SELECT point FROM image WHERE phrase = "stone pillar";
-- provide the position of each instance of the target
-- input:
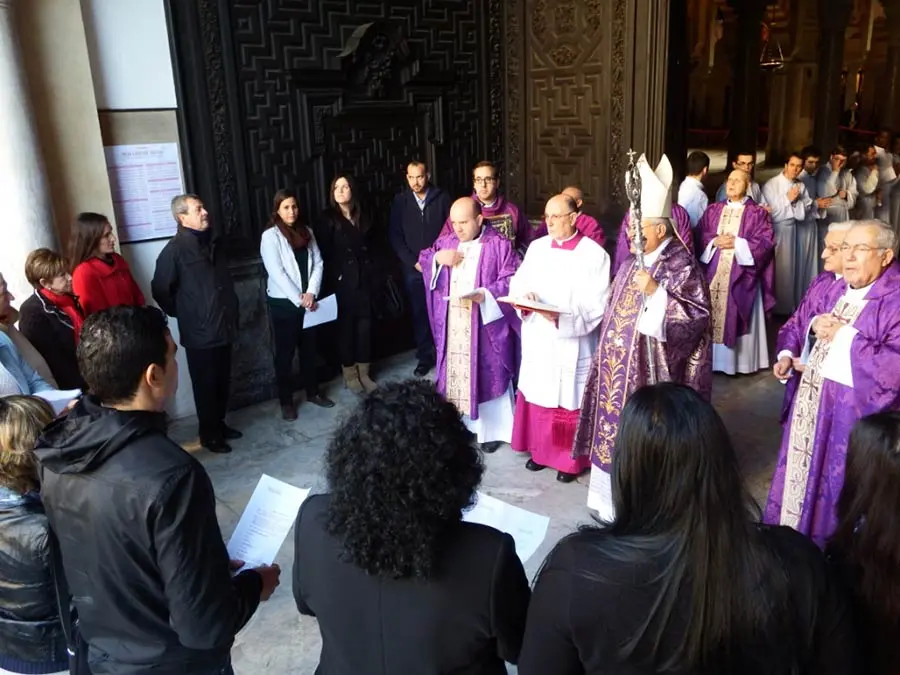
(745, 87)
(27, 214)
(889, 112)
(834, 16)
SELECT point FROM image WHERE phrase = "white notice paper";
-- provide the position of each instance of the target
(59, 398)
(326, 312)
(265, 522)
(526, 528)
(144, 178)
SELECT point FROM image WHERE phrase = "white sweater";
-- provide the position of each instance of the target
(283, 270)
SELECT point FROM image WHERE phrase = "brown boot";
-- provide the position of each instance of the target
(288, 412)
(367, 382)
(351, 379)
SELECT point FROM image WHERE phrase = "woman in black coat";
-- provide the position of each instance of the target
(399, 583)
(346, 238)
(51, 318)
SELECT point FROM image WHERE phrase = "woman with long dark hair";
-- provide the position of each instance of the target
(344, 230)
(385, 562)
(101, 277)
(684, 580)
(294, 267)
(866, 544)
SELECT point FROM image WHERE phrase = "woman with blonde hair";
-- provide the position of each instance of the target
(31, 635)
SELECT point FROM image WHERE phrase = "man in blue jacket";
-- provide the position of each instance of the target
(417, 216)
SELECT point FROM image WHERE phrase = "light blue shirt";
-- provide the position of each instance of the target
(693, 199)
(25, 376)
(421, 202)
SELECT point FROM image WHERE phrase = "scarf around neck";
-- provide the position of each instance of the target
(68, 304)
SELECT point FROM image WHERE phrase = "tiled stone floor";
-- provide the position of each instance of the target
(278, 641)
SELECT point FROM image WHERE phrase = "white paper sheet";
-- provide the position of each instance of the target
(59, 398)
(531, 304)
(326, 312)
(265, 522)
(144, 178)
(526, 528)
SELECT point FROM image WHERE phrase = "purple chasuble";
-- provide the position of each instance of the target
(493, 345)
(683, 230)
(756, 228)
(620, 365)
(792, 336)
(585, 224)
(506, 219)
(875, 365)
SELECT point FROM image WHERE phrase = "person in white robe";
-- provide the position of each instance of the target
(887, 177)
(836, 182)
(866, 177)
(746, 162)
(691, 193)
(807, 263)
(568, 275)
(790, 202)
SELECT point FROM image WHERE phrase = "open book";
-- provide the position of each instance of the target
(533, 305)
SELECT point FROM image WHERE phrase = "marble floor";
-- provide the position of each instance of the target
(278, 641)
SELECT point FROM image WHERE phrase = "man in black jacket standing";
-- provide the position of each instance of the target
(192, 283)
(135, 515)
(417, 216)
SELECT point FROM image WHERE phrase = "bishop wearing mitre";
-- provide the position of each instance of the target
(657, 322)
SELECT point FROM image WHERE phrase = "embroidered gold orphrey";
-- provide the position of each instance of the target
(804, 418)
(729, 223)
(459, 328)
(616, 356)
(502, 223)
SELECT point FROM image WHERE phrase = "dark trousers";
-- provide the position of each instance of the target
(355, 338)
(287, 328)
(415, 288)
(210, 371)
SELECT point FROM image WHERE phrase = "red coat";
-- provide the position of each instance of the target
(100, 285)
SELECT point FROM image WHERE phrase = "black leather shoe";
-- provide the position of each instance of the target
(230, 434)
(492, 447)
(531, 465)
(217, 445)
(423, 369)
(564, 477)
(321, 401)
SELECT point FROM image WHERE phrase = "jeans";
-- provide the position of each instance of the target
(287, 329)
(415, 288)
(210, 371)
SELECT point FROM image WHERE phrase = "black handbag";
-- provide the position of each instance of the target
(75, 644)
(390, 303)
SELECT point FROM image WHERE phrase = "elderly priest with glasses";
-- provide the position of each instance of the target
(656, 328)
(853, 370)
(560, 293)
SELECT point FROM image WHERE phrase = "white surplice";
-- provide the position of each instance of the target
(807, 261)
(887, 178)
(785, 216)
(556, 359)
(495, 417)
(866, 184)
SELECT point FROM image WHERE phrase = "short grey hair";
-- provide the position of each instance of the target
(180, 204)
(885, 237)
(841, 226)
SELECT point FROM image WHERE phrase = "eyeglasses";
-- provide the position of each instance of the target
(488, 180)
(832, 249)
(860, 248)
(557, 217)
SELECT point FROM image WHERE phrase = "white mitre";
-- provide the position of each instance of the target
(656, 188)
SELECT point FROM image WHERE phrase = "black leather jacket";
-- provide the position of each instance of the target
(30, 630)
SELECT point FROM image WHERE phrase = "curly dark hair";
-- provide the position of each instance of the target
(402, 467)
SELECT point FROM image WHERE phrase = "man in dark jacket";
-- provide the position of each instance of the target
(417, 216)
(135, 514)
(192, 283)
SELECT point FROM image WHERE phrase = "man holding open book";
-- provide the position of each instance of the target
(560, 293)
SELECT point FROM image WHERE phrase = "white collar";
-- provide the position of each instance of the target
(857, 293)
(735, 205)
(563, 241)
(651, 258)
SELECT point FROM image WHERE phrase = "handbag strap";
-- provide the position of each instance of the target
(63, 597)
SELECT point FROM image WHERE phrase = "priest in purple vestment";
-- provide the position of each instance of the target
(853, 371)
(464, 274)
(505, 217)
(794, 338)
(587, 225)
(684, 234)
(668, 301)
(738, 245)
